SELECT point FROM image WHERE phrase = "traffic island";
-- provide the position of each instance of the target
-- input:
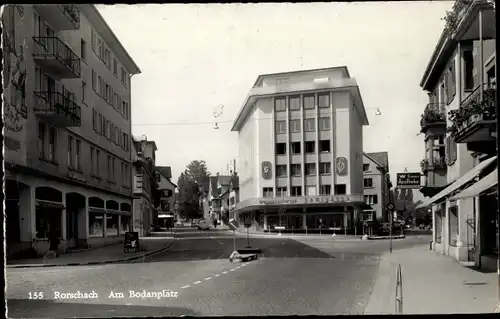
(236, 256)
(250, 251)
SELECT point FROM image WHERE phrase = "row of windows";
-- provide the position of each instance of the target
(109, 130)
(308, 102)
(309, 125)
(47, 150)
(310, 147)
(340, 189)
(104, 54)
(106, 92)
(371, 199)
(310, 169)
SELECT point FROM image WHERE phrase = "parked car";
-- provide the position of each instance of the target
(203, 224)
(194, 222)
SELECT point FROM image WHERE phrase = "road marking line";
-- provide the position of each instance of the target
(217, 275)
(197, 282)
(224, 272)
(238, 267)
(233, 269)
(208, 278)
(186, 286)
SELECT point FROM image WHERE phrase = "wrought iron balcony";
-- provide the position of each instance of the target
(434, 119)
(60, 16)
(432, 164)
(54, 56)
(475, 120)
(57, 109)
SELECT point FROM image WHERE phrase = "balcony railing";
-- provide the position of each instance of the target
(51, 52)
(433, 163)
(60, 16)
(474, 109)
(57, 108)
(434, 115)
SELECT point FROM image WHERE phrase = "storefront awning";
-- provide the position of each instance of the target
(475, 190)
(165, 216)
(459, 182)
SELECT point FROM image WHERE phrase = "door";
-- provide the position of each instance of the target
(71, 228)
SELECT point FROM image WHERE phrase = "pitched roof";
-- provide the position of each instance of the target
(213, 185)
(381, 158)
(166, 171)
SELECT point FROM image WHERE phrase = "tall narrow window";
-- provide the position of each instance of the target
(97, 163)
(309, 102)
(280, 104)
(324, 123)
(52, 143)
(92, 160)
(70, 151)
(83, 50)
(294, 103)
(469, 70)
(41, 140)
(84, 89)
(109, 168)
(324, 100)
(78, 147)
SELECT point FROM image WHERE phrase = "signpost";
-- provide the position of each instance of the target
(233, 225)
(248, 224)
(390, 208)
(131, 243)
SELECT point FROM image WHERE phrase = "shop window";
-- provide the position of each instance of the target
(125, 224)
(96, 224)
(453, 224)
(47, 220)
(111, 224)
(439, 226)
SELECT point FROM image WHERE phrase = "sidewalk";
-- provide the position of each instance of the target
(302, 236)
(101, 255)
(432, 284)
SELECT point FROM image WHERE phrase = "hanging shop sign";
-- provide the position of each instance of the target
(408, 180)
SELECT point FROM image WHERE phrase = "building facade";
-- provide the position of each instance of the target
(301, 139)
(376, 182)
(234, 194)
(144, 186)
(166, 188)
(67, 93)
(460, 133)
(219, 196)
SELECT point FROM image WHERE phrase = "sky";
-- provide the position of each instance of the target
(195, 58)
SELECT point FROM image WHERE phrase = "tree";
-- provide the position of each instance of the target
(191, 183)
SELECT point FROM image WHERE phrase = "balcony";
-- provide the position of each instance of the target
(432, 164)
(433, 120)
(463, 22)
(60, 16)
(56, 109)
(475, 120)
(54, 56)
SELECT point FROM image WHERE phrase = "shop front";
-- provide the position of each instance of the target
(323, 213)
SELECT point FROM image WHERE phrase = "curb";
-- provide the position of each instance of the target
(386, 237)
(96, 262)
(290, 236)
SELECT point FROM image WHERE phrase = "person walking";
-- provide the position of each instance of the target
(53, 244)
(215, 223)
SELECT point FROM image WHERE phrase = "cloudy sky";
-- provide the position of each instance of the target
(196, 57)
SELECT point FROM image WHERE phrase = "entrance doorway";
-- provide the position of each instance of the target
(75, 204)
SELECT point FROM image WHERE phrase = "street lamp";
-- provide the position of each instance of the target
(217, 113)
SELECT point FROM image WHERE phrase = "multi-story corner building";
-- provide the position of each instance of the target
(67, 127)
(219, 196)
(144, 185)
(301, 149)
(166, 190)
(376, 182)
(460, 132)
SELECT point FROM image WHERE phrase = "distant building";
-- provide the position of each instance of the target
(376, 186)
(144, 185)
(234, 194)
(301, 150)
(219, 196)
(166, 190)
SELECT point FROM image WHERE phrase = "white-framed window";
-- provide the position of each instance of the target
(308, 102)
(52, 143)
(295, 169)
(280, 127)
(94, 80)
(311, 190)
(281, 192)
(309, 125)
(84, 92)
(280, 104)
(294, 103)
(294, 126)
(324, 123)
(325, 189)
(93, 40)
(296, 191)
(310, 147)
(281, 171)
(371, 199)
(310, 169)
(267, 192)
(295, 147)
(324, 100)
(325, 168)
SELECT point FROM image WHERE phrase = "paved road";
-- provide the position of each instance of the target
(300, 277)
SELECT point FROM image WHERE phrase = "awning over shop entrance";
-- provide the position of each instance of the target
(475, 190)
(165, 216)
(459, 182)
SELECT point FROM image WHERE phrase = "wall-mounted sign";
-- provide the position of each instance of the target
(341, 166)
(307, 200)
(267, 170)
(408, 180)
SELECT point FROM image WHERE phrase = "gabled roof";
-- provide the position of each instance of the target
(166, 171)
(224, 180)
(380, 158)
